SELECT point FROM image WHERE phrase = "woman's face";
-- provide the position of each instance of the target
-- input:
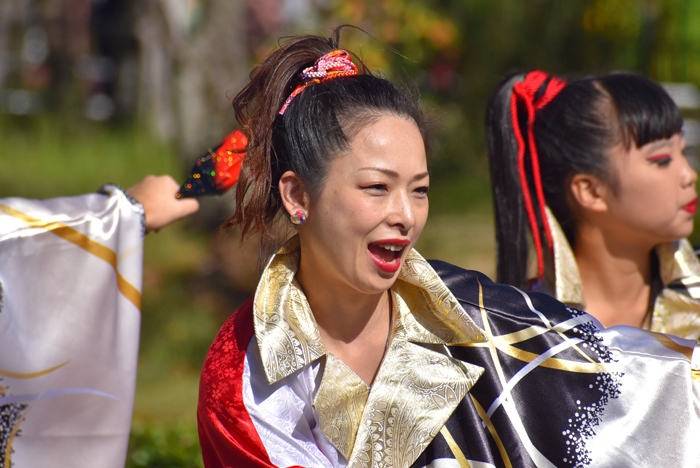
(656, 197)
(372, 209)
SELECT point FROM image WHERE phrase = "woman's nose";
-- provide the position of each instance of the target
(689, 176)
(401, 214)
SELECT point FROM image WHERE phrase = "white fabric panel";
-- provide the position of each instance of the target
(655, 393)
(61, 306)
(284, 416)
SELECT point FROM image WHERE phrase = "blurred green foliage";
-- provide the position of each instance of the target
(163, 447)
(54, 155)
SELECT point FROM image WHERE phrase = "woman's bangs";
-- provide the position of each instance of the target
(645, 111)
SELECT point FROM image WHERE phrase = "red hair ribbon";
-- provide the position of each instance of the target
(332, 65)
(527, 91)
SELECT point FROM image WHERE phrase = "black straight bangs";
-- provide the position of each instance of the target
(646, 113)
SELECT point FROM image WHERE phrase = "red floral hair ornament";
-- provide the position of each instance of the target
(535, 91)
(330, 66)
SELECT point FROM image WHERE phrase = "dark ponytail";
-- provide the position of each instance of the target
(317, 126)
(573, 134)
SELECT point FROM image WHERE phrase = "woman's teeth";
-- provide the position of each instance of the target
(392, 247)
(387, 253)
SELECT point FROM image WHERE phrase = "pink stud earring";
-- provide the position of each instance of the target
(298, 217)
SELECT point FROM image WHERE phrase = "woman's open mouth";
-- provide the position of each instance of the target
(386, 254)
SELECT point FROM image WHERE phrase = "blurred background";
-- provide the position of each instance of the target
(108, 91)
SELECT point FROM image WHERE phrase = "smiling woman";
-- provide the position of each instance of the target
(357, 352)
(358, 233)
(341, 153)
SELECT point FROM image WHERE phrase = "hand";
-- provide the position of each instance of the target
(157, 196)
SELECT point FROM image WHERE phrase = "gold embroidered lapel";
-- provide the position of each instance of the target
(567, 279)
(418, 384)
(340, 402)
(285, 328)
(415, 392)
(674, 313)
(678, 313)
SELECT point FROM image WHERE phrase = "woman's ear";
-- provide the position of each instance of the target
(292, 192)
(589, 192)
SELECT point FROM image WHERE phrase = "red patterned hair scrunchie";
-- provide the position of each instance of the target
(332, 65)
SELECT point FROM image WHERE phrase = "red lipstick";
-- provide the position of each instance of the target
(387, 260)
(691, 207)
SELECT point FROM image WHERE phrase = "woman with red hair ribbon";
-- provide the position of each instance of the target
(593, 173)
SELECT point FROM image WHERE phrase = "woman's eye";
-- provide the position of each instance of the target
(660, 160)
(423, 191)
(375, 187)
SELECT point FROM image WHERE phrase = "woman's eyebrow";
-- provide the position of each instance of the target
(655, 146)
(388, 172)
(394, 174)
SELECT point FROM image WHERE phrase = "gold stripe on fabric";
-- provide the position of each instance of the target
(489, 333)
(585, 356)
(532, 332)
(69, 234)
(524, 335)
(672, 345)
(489, 425)
(552, 362)
(456, 451)
(590, 367)
(695, 375)
(31, 375)
(11, 439)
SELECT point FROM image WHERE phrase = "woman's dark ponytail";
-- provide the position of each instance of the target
(257, 108)
(509, 208)
(572, 134)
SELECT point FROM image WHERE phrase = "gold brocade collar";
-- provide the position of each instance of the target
(418, 384)
(677, 307)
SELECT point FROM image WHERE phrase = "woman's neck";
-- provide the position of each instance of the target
(615, 277)
(354, 327)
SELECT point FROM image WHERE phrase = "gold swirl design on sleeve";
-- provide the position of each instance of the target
(69, 234)
(15, 429)
(675, 313)
(29, 375)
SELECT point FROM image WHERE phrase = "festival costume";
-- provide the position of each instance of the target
(676, 309)
(476, 375)
(676, 288)
(70, 295)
